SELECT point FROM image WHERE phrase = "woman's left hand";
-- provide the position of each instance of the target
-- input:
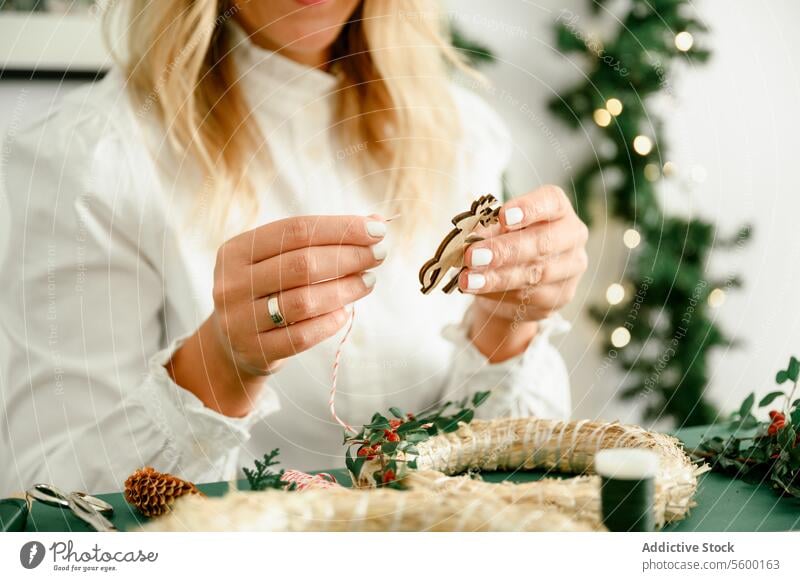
(529, 265)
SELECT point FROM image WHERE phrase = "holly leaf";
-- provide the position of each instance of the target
(380, 423)
(348, 460)
(480, 397)
(464, 416)
(396, 412)
(781, 376)
(786, 437)
(769, 398)
(416, 437)
(747, 405)
(409, 426)
(446, 424)
(357, 464)
(793, 370)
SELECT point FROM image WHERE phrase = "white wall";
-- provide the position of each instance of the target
(737, 118)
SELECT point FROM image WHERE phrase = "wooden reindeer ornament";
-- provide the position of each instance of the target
(450, 253)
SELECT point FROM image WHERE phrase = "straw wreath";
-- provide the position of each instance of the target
(342, 509)
(436, 501)
(563, 447)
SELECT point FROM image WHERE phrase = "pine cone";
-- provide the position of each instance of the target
(153, 492)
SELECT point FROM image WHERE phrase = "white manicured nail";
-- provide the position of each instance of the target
(481, 257)
(513, 216)
(379, 251)
(369, 279)
(376, 229)
(475, 281)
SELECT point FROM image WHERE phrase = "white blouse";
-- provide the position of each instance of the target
(103, 279)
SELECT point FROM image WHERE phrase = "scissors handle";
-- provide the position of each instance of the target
(81, 508)
(52, 496)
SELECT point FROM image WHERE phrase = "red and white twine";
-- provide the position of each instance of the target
(303, 481)
(335, 373)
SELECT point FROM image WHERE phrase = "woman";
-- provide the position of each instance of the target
(232, 176)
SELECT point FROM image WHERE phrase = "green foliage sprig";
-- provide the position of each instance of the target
(393, 439)
(263, 477)
(759, 451)
(672, 329)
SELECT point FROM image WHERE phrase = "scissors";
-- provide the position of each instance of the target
(87, 508)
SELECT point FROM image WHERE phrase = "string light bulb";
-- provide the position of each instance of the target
(602, 117)
(615, 293)
(716, 298)
(620, 337)
(652, 172)
(642, 144)
(614, 106)
(631, 238)
(684, 41)
(669, 169)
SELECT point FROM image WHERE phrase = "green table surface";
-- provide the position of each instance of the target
(723, 504)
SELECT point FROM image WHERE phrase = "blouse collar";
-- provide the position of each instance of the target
(276, 82)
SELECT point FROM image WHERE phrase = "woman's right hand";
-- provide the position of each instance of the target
(314, 265)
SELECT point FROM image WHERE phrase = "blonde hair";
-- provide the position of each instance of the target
(393, 97)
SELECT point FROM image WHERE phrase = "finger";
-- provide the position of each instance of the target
(285, 342)
(529, 245)
(537, 302)
(544, 204)
(308, 302)
(565, 266)
(301, 232)
(307, 266)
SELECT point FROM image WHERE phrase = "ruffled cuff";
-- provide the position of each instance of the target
(191, 429)
(534, 383)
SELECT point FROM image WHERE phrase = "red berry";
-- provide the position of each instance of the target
(777, 424)
(411, 416)
(395, 423)
(391, 436)
(388, 476)
(368, 452)
(776, 414)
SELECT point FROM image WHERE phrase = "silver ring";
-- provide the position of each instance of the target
(275, 311)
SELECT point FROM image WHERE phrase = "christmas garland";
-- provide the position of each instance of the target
(759, 451)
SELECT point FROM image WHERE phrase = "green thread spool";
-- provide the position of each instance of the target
(627, 488)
